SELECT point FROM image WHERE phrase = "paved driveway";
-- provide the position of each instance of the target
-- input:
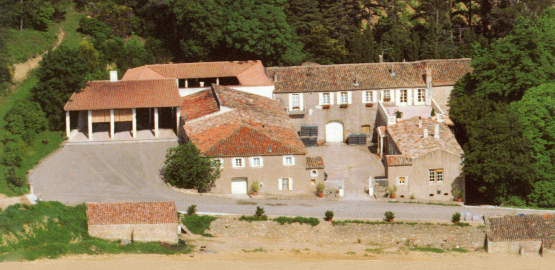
(130, 172)
(351, 164)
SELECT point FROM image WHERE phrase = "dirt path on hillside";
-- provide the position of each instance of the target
(22, 69)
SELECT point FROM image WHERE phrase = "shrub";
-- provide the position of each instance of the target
(198, 224)
(12, 154)
(255, 186)
(14, 179)
(433, 113)
(458, 193)
(259, 211)
(253, 218)
(398, 114)
(391, 190)
(430, 249)
(301, 220)
(329, 215)
(320, 187)
(412, 196)
(389, 215)
(192, 209)
(456, 217)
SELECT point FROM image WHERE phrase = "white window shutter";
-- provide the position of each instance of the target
(290, 183)
(331, 98)
(261, 161)
(292, 160)
(406, 180)
(251, 161)
(243, 162)
(290, 102)
(284, 160)
(374, 96)
(338, 97)
(301, 101)
(409, 96)
(321, 98)
(350, 97)
(279, 184)
(364, 97)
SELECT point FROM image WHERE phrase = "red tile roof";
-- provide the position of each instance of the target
(199, 104)
(409, 138)
(248, 125)
(519, 228)
(314, 163)
(101, 95)
(249, 73)
(131, 213)
(323, 78)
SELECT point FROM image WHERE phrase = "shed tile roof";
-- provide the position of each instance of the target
(398, 160)
(409, 138)
(131, 213)
(314, 163)
(249, 73)
(252, 125)
(323, 78)
(527, 227)
(102, 95)
(198, 105)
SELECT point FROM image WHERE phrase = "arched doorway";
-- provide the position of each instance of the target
(334, 132)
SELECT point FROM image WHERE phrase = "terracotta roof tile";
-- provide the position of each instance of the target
(314, 163)
(252, 125)
(131, 213)
(101, 95)
(249, 73)
(321, 78)
(398, 160)
(409, 138)
(198, 105)
(526, 227)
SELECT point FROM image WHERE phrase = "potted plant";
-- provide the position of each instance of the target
(386, 99)
(343, 105)
(325, 106)
(369, 104)
(389, 216)
(456, 218)
(458, 194)
(192, 210)
(259, 211)
(391, 191)
(255, 187)
(398, 114)
(320, 187)
(328, 216)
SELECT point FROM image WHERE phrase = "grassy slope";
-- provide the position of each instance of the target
(29, 43)
(37, 150)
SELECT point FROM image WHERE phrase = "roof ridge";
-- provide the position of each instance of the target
(375, 63)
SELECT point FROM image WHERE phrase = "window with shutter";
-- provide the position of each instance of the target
(285, 183)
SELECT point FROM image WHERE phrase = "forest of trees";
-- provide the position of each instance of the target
(503, 112)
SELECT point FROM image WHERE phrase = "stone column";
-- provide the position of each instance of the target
(90, 125)
(134, 132)
(112, 128)
(156, 124)
(68, 129)
(178, 117)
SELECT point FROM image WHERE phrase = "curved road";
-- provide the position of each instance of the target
(130, 172)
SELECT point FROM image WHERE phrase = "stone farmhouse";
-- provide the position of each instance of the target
(142, 222)
(258, 120)
(523, 234)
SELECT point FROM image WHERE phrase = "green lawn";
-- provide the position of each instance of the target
(29, 43)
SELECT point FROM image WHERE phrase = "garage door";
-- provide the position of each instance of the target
(334, 132)
(239, 186)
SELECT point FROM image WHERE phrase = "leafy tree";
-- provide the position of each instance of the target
(303, 16)
(498, 162)
(186, 168)
(537, 114)
(99, 30)
(323, 49)
(26, 119)
(62, 72)
(120, 18)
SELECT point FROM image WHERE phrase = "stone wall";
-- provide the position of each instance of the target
(139, 232)
(515, 247)
(440, 236)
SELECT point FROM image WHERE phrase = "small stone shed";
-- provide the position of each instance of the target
(142, 221)
(521, 234)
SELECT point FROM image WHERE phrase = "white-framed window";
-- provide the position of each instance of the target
(403, 97)
(402, 181)
(436, 175)
(295, 101)
(256, 162)
(285, 183)
(344, 98)
(326, 98)
(220, 161)
(386, 95)
(238, 162)
(313, 173)
(368, 97)
(421, 95)
(288, 160)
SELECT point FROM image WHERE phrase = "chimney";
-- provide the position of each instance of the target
(381, 58)
(275, 77)
(113, 75)
(436, 134)
(419, 122)
(201, 84)
(429, 78)
(425, 133)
